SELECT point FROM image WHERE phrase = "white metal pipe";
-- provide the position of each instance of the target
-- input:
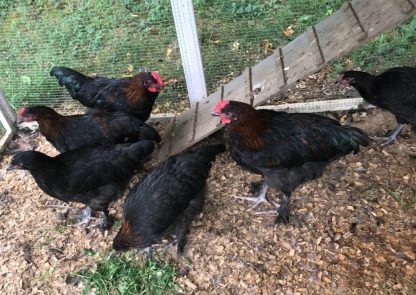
(8, 126)
(185, 24)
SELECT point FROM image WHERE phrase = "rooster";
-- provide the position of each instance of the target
(286, 149)
(166, 200)
(77, 131)
(91, 176)
(394, 91)
(135, 95)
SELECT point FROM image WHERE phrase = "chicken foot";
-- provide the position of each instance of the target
(393, 136)
(258, 198)
(282, 210)
(84, 216)
(107, 221)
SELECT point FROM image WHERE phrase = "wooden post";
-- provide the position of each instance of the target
(183, 14)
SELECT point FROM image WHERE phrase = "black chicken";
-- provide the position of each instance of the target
(166, 200)
(78, 131)
(92, 176)
(286, 149)
(135, 95)
(394, 91)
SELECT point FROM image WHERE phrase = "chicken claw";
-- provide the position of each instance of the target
(84, 216)
(268, 212)
(258, 198)
(282, 211)
(393, 136)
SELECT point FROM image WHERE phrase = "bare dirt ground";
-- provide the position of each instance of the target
(351, 232)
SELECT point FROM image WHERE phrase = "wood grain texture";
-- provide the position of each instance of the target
(378, 15)
(205, 122)
(301, 57)
(237, 90)
(335, 30)
(267, 76)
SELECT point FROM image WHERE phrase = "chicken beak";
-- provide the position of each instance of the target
(19, 120)
(215, 114)
(339, 80)
(12, 167)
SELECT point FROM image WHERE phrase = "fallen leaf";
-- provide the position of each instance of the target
(169, 52)
(289, 31)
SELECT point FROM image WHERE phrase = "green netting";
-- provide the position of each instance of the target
(117, 38)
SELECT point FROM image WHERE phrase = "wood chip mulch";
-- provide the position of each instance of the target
(353, 231)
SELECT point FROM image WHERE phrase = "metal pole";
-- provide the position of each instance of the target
(183, 14)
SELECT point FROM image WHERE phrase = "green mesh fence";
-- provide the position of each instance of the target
(117, 38)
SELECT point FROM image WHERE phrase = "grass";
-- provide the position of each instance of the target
(405, 201)
(119, 274)
(116, 38)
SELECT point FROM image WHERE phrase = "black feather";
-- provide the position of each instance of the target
(92, 176)
(394, 91)
(166, 200)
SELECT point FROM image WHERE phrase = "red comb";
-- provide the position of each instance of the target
(21, 111)
(220, 105)
(156, 76)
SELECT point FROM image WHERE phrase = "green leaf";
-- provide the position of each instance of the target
(89, 251)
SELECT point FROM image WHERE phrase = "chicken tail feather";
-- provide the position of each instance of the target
(69, 78)
(357, 138)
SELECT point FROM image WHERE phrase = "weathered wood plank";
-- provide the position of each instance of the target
(182, 132)
(377, 15)
(301, 57)
(205, 122)
(339, 33)
(236, 89)
(166, 143)
(267, 76)
(332, 105)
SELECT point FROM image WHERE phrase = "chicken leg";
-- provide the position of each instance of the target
(84, 216)
(107, 221)
(258, 198)
(283, 210)
(393, 136)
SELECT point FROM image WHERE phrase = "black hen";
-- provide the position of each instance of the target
(286, 149)
(92, 176)
(78, 131)
(394, 91)
(134, 95)
(166, 200)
